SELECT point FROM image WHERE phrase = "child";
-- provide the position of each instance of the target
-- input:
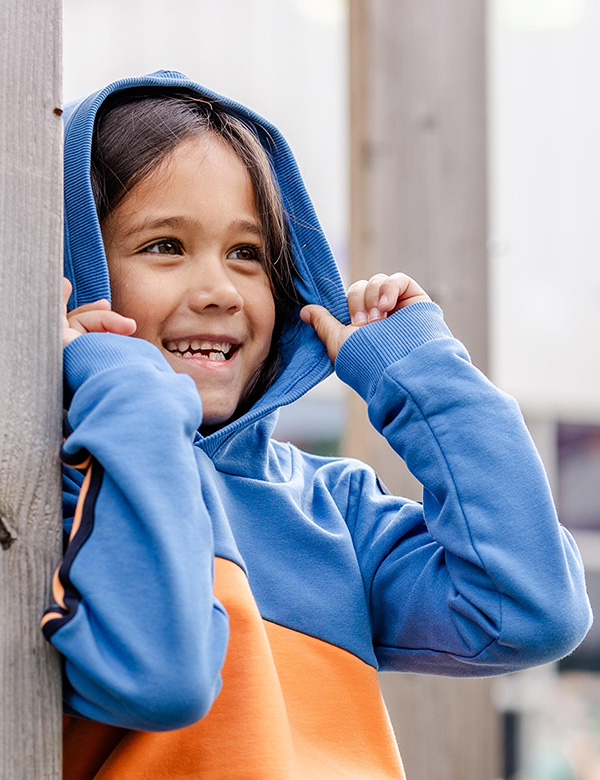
(225, 599)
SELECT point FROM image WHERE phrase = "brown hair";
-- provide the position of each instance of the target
(137, 129)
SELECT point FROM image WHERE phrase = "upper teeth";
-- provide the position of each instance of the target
(184, 346)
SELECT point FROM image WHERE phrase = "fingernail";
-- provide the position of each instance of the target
(359, 318)
(383, 300)
(374, 314)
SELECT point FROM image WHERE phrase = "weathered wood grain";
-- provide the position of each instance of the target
(418, 205)
(30, 390)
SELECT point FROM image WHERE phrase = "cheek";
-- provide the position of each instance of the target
(140, 295)
(124, 299)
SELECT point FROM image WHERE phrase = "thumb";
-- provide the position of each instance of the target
(331, 331)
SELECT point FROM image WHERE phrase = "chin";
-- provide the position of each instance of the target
(214, 420)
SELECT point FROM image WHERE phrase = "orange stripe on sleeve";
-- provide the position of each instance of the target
(58, 590)
(50, 616)
(81, 500)
(82, 465)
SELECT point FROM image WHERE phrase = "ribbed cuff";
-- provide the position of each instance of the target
(363, 357)
(93, 353)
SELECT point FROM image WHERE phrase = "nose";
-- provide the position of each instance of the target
(212, 286)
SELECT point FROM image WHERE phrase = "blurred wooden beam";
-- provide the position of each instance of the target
(418, 204)
(30, 382)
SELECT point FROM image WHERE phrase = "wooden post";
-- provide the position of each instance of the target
(418, 204)
(30, 389)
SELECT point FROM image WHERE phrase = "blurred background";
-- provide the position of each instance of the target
(459, 142)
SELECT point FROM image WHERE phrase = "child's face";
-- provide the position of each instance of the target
(184, 254)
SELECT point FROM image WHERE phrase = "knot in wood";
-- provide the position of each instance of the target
(6, 537)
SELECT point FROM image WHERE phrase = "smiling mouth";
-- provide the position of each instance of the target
(202, 348)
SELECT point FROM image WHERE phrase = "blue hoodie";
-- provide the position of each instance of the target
(225, 601)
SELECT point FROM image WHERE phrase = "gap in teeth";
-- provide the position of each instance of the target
(212, 350)
(195, 345)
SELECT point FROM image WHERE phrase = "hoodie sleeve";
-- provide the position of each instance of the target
(142, 636)
(481, 578)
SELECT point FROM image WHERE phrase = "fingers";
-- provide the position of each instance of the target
(368, 301)
(102, 303)
(91, 319)
(67, 290)
(364, 299)
(95, 317)
(331, 331)
(356, 302)
(373, 294)
(381, 295)
(101, 321)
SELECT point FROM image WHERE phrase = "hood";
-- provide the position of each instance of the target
(304, 359)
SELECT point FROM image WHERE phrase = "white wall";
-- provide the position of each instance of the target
(544, 78)
(286, 59)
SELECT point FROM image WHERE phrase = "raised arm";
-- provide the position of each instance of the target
(480, 579)
(135, 618)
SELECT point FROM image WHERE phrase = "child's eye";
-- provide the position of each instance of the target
(246, 252)
(167, 246)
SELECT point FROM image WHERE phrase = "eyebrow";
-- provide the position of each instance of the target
(240, 225)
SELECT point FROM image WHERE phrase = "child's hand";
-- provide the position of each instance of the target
(95, 317)
(368, 301)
